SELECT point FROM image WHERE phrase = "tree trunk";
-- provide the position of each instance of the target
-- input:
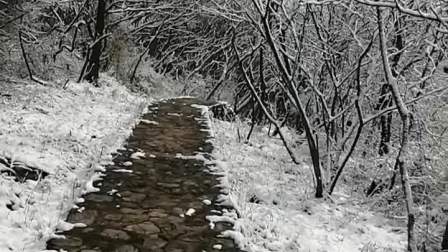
(385, 120)
(293, 95)
(403, 153)
(445, 239)
(93, 66)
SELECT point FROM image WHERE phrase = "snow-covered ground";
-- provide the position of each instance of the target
(69, 133)
(274, 199)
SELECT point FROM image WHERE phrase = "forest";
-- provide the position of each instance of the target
(362, 83)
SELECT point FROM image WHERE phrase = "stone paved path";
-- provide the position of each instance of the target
(146, 210)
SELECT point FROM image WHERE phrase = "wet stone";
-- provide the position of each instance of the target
(140, 190)
(221, 226)
(86, 217)
(168, 185)
(135, 218)
(134, 197)
(144, 228)
(132, 211)
(153, 244)
(176, 190)
(126, 248)
(99, 198)
(157, 213)
(71, 242)
(88, 230)
(127, 204)
(115, 234)
(177, 211)
(190, 184)
(113, 217)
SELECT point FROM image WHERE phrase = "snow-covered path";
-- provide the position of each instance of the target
(156, 194)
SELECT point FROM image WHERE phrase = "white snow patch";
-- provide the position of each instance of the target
(184, 97)
(112, 192)
(138, 155)
(68, 133)
(217, 246)
(195, 157)
(145, 121)
(274, 199)
(127, 163)
(190, 212)
(174, 114)
(123, 171)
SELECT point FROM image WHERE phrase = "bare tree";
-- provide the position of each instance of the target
(95, 50)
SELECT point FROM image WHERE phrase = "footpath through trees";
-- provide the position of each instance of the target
(158, 202)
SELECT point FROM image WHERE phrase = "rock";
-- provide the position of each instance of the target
(144, 228)
(164, 204)
(135, 218)
(168, 185)
(88, 230)
(128, 204)
(126, 248)
(178, 211)
(157, 213)
(153, 244)
(115, 234)
(132, 211)
(99, 198)
(222, 226)
(176, 190)
(86, 217)
(190, 184)
(71, 242)
(135, 197)
(113, 217)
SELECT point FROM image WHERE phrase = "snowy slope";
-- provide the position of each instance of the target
(68, 133)
(274, 199)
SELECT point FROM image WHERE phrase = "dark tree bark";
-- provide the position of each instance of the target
(93, 66)
(385, 101)
(403, 153)
(387, 119)
(445, 239)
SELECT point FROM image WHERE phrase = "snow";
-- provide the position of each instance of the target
(217, 246)
(274, 200)
(69, 133)
(145, 121)
(112, 192)
(122, 171)
(138, 155)
(174, 114)
(198, 156)
(127, 163)
(190, 212)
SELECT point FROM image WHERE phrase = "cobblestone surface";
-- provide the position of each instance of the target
(146, 210)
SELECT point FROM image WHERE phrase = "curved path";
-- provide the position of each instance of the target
(162, 204)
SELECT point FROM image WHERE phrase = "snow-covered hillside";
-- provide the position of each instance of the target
(274, 199)
(67, 131)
